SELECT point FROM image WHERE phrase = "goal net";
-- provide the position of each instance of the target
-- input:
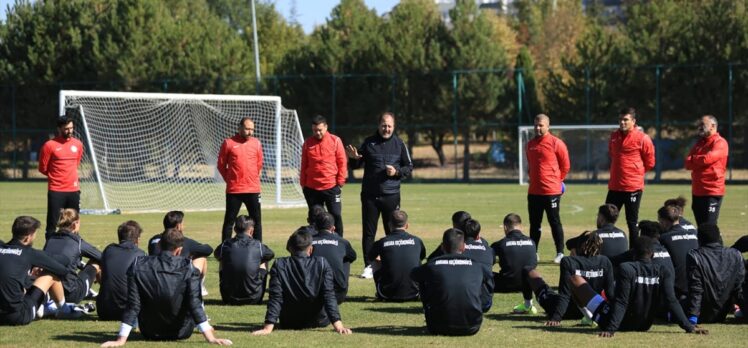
(587, 145)
(158, 151)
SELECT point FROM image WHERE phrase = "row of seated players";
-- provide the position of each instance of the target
(389, 278)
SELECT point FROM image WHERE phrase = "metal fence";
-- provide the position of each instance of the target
(459, 125)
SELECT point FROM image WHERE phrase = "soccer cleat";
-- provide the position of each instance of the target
(587, 322)
(521, 309)
(69, 311)
(368, 273)
(88, 308)
(558, 258)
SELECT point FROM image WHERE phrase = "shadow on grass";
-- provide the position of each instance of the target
(218, 302)
(397, 310)
(392, 330)
(515, 317)
(238, 327)
(568, 329)
(361, 299)
(90, 337)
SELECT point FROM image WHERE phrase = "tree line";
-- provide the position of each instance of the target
(670, 58)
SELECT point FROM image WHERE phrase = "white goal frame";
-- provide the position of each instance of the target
(67, 97)
(521, 147)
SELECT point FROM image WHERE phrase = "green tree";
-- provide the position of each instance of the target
(531, 103)
(472, 48)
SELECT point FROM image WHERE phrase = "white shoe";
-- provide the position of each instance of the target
(69, 311)
(368, 273)
(46, 309)
(558, 258)
(203, 289)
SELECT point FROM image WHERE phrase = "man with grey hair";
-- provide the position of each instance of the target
(707, 162)
(548, 163)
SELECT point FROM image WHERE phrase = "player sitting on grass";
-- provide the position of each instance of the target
(300, 287)
(164, 296)
(67, 246)
(21, 301)
(336, 250)
(192, 249)
(243, 271)
(614, 239)
(455, 289)
(475, 246)
(585, 261)
(678, 242)
(680, 203)
(393, 257)
(115, 262)
(640, 286)
(715, 277)
(515, 252)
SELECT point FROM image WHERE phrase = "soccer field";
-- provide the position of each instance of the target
(430, 207)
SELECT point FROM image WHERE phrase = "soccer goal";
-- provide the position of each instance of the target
(158, 151)
(588, 149)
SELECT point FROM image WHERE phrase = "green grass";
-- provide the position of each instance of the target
(375, 323)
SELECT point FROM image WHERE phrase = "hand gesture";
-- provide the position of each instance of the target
(391, 171)
(352, 152)
(221, 342)
(700, 330)
(606, 334)
(553, 323)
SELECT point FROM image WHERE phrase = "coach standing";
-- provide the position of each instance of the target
(58, 160)
(707, 161)
(240, 165)
(386, 161)
(324, 168)
(548, 161)
(632, 154)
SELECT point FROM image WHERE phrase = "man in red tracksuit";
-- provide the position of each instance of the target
(548, 161)
(324, 168)
(632, 154)
(58, 160)
(240, 165)
(707, 161)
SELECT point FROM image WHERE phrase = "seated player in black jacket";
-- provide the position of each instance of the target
(680, 204)
(614, 239)
(67, 246)
(715, 277)
(300, 287)
(243, 271)
(193, 250)
(678, 242)
(476, 247)
(115, 261)
(516, 252)
(585, 261)
(455, 289)
(163, 296)
(393, 257)
(639, 288)
(741, 245)
(336, 250)
(21, 298)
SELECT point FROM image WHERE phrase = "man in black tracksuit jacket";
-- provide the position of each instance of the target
(516, 252)
(336, 250)
(614, 239)
(386, 162)
(715, 277)
(394, 256)
(661, 256)
(455, 289)
(300, 287)
(585, 261)
(678, 242)
(115, 261)
(639, 289)
(476, 247)
(68, 247)
(163, 296)
(19, 297)
(243, 259)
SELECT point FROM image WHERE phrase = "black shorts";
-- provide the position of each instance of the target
(76, 286)
(27, 312)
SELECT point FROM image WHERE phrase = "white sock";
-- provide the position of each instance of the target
(528, 303)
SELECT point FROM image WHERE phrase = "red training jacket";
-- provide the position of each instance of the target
(240, 164)
(324, 163)
(707, 161)
(631, 155)
(59, 160)
(548, 160)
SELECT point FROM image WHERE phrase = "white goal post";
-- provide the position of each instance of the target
(587, 144)
(158, 151)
